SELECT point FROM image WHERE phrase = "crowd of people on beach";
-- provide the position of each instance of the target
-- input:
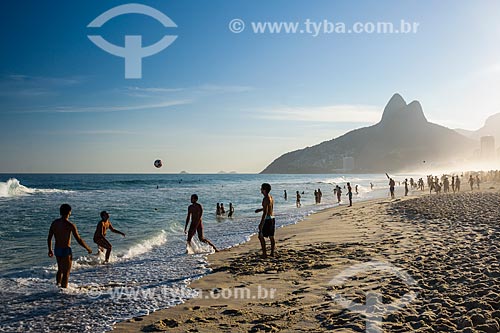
(62, 229)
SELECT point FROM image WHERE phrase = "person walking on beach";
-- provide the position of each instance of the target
(267, 221)
(421, 184)
(195, 212)
(100, 235)
(471, 183)
(446, 185)
(62, 229)
(298, 200)
(477, 182)
(285, 195)
(349, 193)
(457, 184)
(392, 184)
(453, 183)
(231, 210)
(406, 187)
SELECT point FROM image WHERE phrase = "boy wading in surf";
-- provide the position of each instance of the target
(100, 234)
(267, 222)
(195, 211)
(62, 229)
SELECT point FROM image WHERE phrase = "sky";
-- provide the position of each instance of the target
(216, 100)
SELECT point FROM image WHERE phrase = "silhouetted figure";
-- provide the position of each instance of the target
(453, 183)
(222, 210)
(437, 188)
(392, 184)
(471, 183)
(320, 195)
(316, 196)
(267, 222)
(477, 182)
(339, 194)
(231, 210)
(457, 184)
(371, 186)
(297, 202)
(195, 212)
(349, 193)
(421, 184)
(406, 187)
(446, 185)
(217, 212)
(356, 189)
(285, 195)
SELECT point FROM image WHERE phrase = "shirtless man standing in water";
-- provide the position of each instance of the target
(62, 229)
(267, 222)
(195, 211)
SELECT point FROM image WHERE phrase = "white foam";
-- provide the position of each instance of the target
(13, 188)
(198, 248)
(144, 246)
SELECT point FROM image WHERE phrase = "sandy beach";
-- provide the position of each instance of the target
(432, 261)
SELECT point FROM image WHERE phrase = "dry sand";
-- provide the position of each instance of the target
(449, 245)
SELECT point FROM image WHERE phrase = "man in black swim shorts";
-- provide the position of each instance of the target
(267, 222)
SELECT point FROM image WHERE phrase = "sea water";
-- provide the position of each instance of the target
(149, 268)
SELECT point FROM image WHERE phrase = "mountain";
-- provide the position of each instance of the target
(402, 140)
(491, 127)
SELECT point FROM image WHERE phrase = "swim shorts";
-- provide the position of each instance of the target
(268, 228)
(102, 242)
(62, 252)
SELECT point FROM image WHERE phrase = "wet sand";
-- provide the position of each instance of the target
(443, 250)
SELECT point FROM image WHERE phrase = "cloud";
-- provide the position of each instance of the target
(222, 89)
(103, 109)
(43, 80)
(154, 89)
(206, 89)
(333, 113)
(18, 85)
(98, 109)
(89, 132)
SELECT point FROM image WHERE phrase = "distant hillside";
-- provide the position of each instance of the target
(402, 140)
(491, 127)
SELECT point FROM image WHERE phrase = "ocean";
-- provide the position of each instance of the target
(149, 268)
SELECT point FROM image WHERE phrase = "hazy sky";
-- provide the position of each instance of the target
(216, 100)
